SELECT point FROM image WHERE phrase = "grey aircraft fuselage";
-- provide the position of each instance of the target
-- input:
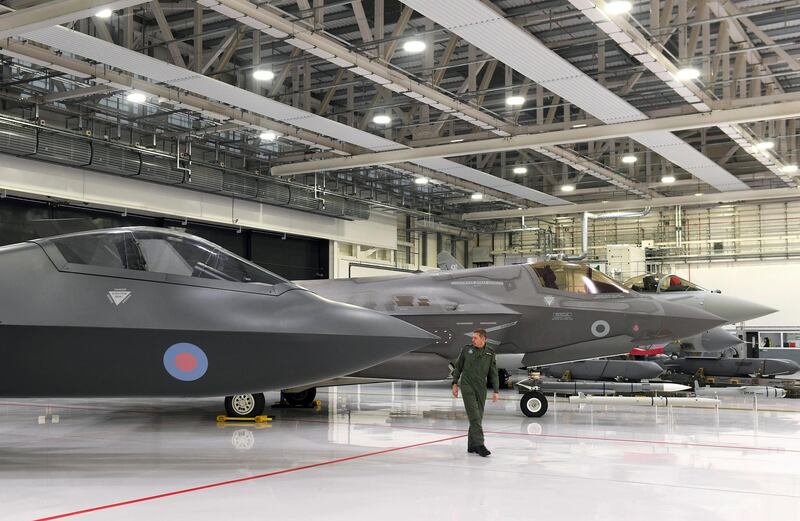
(520, 313)
(120, 313)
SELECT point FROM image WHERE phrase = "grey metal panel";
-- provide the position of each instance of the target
(272, 192)
(64, 149)
(161, 169)
(16, 139)
(206, 178)
(304, 199)
(114, 160)
(239, 185)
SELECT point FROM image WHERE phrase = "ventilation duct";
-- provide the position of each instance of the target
(72, 150)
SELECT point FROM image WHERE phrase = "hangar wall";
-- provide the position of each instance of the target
(36, 178)
(769, 282)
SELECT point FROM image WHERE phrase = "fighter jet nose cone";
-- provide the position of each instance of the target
(734, 309)
(383, 335)
(683, 321)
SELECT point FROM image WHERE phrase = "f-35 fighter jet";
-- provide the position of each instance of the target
(547, 312)
(152, 312)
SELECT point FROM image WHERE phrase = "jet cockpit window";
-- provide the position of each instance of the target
(647, 283)
(107, 250)
(179, 255)
(676, 283)
(574, 278)
(660, 283)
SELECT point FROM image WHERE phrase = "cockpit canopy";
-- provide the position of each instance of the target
(155, 250)
(574, 278)
(660, 283)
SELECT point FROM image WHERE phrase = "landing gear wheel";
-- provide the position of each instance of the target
(301, 399)
(533, 404)
(245, 405)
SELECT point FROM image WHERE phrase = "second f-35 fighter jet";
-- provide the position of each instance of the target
(548, 312)
(152, 312)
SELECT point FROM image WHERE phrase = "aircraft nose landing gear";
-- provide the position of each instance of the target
(245, 405)
(533, 403)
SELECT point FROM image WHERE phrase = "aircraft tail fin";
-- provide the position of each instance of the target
(447, 262)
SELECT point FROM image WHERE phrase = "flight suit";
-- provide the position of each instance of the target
(473, 366)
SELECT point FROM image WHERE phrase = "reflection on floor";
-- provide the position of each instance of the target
(397, 452)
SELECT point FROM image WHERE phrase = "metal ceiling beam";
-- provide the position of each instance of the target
(82, 92)
(575, 135)
(688, 200)
(486, 27)
(632, 41)
(166, 32)
(325, 44)
(56, 12)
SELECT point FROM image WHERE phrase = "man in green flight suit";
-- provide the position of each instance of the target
(475, 363)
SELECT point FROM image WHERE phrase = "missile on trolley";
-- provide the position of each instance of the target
(587, 387)
(730, 366)
(767, 391)
(605, 370)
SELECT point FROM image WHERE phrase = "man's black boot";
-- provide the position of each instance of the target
(482, 451)
(471, 449)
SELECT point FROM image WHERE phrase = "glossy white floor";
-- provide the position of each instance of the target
(397, 452)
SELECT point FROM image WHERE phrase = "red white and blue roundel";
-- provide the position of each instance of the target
(186, 362)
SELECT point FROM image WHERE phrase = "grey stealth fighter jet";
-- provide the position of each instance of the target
(545, 313)
(152, 312)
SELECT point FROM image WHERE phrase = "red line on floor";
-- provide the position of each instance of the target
(249, 478)
(564, 436)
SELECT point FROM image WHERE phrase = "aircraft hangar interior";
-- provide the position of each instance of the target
(399, 259)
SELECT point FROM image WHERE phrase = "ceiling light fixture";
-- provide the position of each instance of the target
(268, 135)
(567, 188)
(520, 170)
(789, 169)
(668, 179)
(687, 74)
(629, 159)
(104, 13)
(263, 75)
(136, 97)
(618, 7)
(515, 101)
(477, 196)
(457, 140)
(579, 125)
(765, 145)
(421, 181)
(382, 119)
(699, 194)
(414, 46)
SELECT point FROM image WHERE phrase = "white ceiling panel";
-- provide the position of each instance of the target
(80, 44)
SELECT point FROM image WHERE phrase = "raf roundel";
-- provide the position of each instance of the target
(186, 362)
(600, 328)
